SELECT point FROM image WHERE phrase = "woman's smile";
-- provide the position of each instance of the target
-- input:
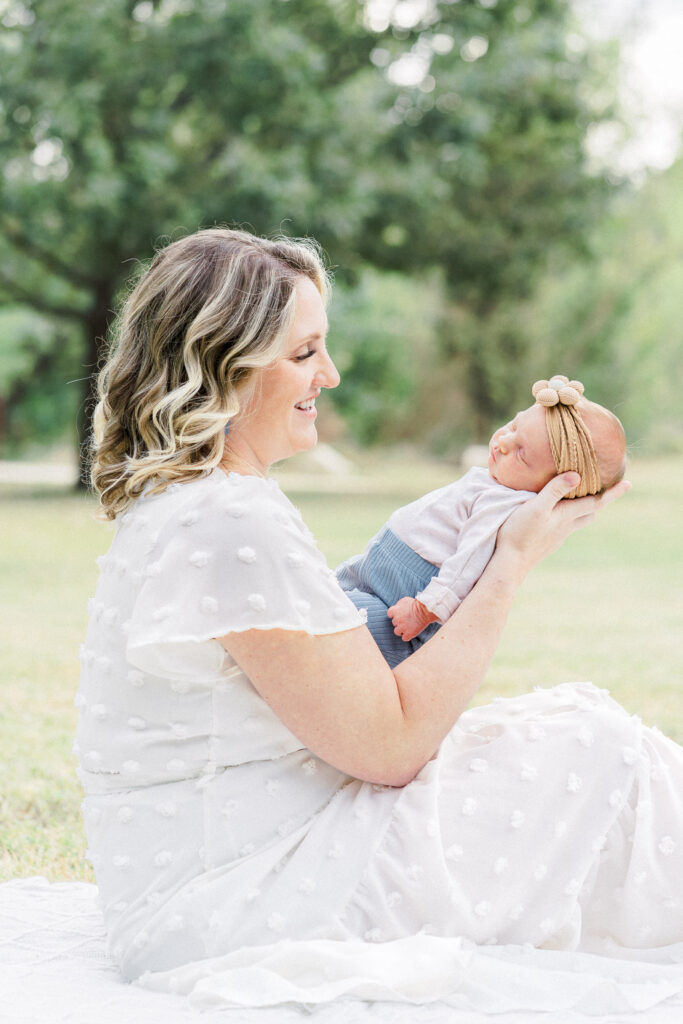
(307, 407)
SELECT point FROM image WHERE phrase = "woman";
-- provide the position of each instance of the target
(253, 769)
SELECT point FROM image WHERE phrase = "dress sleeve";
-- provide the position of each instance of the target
(238, 558)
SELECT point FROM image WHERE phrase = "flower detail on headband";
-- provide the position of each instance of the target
(557, 390)
(570, 440)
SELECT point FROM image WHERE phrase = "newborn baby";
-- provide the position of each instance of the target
(426, 559)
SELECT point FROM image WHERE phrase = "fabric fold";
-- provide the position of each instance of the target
(423, 969)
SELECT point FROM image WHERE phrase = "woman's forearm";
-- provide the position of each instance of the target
(436, 684)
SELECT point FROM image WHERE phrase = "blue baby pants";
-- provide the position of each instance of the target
(375, 580)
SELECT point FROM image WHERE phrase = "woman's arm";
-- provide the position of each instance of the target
(339, 697)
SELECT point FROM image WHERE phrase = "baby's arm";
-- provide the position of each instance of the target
(410, 617)
(477, 540)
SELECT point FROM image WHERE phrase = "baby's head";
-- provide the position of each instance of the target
(522, 456)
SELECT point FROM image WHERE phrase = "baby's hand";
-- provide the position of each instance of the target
(410, 617)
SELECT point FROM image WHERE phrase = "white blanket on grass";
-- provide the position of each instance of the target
(54, 969)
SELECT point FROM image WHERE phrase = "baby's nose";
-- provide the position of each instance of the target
(503, 442)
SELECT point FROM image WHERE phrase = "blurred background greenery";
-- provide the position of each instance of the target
(438, 151)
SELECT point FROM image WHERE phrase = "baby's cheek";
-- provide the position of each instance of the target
(544, 479)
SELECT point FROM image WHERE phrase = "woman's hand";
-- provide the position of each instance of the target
(540, 526)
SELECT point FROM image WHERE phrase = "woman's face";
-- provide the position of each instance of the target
(280, 420)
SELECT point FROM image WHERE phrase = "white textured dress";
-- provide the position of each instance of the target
(235, 865)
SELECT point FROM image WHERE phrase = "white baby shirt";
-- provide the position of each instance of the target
(455, 527)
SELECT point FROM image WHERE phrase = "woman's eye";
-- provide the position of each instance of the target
(306, 355)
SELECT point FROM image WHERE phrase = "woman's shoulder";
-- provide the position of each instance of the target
(220, 512)
(228, 553)
(232, 495)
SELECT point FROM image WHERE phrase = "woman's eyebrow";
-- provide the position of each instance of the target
(315, 336)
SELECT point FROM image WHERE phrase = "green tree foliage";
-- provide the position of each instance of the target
(494, 137)
(615, 322)
(382, 335)
(37, 357)
(122, 122)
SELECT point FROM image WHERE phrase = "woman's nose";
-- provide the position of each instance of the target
(328, 375)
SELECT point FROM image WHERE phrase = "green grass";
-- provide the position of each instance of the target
(606, 607)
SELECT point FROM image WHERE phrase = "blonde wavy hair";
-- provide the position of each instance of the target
(211, 309)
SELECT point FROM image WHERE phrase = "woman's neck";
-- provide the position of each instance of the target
(244, 462)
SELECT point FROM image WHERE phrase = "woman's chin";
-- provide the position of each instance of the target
(312, 440)
(306, 440)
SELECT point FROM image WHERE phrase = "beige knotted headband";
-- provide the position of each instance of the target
(570, 440)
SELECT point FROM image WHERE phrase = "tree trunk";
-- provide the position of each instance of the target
(95, 326)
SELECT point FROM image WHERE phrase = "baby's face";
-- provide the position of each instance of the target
(519, 453)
